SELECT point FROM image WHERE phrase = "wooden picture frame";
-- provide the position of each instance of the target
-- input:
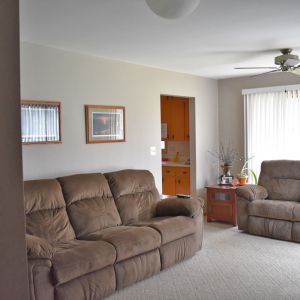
(104, 124)
(50, 103)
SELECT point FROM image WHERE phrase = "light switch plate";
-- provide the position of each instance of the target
(153, 151)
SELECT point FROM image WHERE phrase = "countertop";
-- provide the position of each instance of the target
(174, 164)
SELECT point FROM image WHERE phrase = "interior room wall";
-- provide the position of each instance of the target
(76, 79)
(182, 147)
(13, 263)
(231, 106)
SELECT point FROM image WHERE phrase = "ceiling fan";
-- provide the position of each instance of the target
(287, 62)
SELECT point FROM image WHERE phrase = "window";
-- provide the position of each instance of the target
(40, 121)
(272, 124)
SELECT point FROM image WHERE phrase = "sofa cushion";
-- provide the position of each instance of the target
(278, 229)
(178, 207)
(76, 258)
(296, 212)
(176, 251)
(281, 178)
(135, 194)
(45, 209)
(90, 204)
(93, 286)
(137, 268)
(38, 248)
(129, 241)
(272, 209)
(171, 228)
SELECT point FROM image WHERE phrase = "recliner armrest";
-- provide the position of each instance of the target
(252, 192)
(178, 207)
(38, 248)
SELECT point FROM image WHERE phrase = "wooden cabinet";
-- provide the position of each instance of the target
(168, 180)
(176, 120)
(164, 109)
(175, 113)
(221, 204)
(186, 119)
(176, 180)
(183, 181)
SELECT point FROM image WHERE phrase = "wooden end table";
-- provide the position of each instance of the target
(221, 204)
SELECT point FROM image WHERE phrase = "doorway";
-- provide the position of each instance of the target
(178, 145)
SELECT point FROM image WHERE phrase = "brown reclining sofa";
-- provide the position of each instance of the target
(91, 234)
(272, 208)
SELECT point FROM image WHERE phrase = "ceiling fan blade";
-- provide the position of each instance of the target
(247, 68)
(296, 71)
(273, 71)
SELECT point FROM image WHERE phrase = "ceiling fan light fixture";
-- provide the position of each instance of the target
(172, 9)
(287, 62)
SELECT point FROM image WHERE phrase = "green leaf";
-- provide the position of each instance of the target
(254, 175)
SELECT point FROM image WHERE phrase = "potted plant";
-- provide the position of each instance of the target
(244, 174)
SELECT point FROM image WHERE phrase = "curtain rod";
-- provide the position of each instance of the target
(279, 88)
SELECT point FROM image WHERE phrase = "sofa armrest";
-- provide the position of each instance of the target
(38, 248)
(178, 207)
(252, 192)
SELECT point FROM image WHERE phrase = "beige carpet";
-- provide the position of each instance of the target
(231, 265)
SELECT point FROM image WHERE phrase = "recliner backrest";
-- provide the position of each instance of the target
(281, 178)
(45, 209)
(90, 203)
(135, 194)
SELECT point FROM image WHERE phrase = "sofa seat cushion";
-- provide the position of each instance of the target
(171, 228)
(76, 258)
(272, 209)
(128, 241)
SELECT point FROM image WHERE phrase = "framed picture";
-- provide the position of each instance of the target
(226, 180)
(104, 124)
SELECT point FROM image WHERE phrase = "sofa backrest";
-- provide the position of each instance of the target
(135, 194)
(281, 178)
(45, 209)
(90, 203)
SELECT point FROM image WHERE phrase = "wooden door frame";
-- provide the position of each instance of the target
(192, 140)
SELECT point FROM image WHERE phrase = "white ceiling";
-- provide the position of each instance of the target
(218, 36)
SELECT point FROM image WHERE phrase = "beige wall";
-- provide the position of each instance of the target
(13, 265)
(76, 79)
(231, 108)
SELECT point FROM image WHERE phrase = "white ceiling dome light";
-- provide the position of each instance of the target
(172, 9)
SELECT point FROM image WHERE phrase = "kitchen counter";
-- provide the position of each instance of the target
(174, 164)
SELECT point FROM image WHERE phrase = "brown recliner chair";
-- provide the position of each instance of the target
(90, 234)
(272, 208)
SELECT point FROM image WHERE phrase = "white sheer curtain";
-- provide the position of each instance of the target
(272, 126)
(40, 123)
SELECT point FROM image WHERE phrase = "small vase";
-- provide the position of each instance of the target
(226, 170)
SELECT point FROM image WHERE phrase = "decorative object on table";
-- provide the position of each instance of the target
(172, 9)
(226, 179)
(104, 124)
(226, 170)
(235, 181)
(243, 175)
(226, 156)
